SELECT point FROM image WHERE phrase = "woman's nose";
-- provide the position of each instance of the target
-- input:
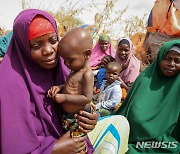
(171, 63)
(48, 49)
(123, 52)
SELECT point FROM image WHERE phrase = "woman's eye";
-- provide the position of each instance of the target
(35, 46)
(177, 61)
(53, 40)
(167, 59)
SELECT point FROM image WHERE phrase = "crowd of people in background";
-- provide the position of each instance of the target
(69, 95)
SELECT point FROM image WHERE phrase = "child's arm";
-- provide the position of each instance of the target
(123, 85)
(54, 90)
(87, 92)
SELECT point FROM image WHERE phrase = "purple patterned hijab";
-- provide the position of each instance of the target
(29, 121)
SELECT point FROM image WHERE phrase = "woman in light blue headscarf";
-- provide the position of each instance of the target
(4, 42)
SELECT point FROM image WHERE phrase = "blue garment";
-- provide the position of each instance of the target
(101, 75)
(109, 96)
(4, 42)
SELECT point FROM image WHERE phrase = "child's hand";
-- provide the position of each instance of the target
(59, 98)
(123, 85)
(53, 91)
(119, 78)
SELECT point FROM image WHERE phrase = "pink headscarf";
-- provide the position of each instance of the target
(97, 54)
(132, 71)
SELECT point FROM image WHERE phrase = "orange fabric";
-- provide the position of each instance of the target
(124, 94)
(40, 26)
(166, 22)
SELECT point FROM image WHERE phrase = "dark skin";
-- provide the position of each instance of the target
(44, 53)
(75, 48)
(170, 65)
(73, 146)
(112, 73)
(105, 60)
(103, 45)
(123, 51)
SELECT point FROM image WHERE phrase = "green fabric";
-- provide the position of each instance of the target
(104, 37)
(152, 107)
(4, 42)
(104, 112)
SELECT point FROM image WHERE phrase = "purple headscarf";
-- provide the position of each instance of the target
(29, 121)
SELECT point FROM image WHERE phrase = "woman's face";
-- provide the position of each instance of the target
(123, 51)
(170, 65)
(104, 45)
(44, 50)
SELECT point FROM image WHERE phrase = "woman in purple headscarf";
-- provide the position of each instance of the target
(30, 121)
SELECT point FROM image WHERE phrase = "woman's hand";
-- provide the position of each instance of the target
(68, 145)
(95, 67)
(87, 121)
(106, 59)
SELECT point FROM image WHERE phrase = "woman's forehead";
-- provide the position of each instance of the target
(123, 45)
(103, 41)
(173, 53)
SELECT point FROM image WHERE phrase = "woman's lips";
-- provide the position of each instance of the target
(50, 61)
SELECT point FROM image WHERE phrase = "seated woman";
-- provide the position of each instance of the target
(130, 64)
(101, 49)
(152, 105)
(30, 121)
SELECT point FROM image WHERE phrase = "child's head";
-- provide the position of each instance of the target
(75, 48)
(113, 72)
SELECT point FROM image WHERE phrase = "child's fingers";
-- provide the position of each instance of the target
(53, 90)
(56, 90)
(49, 93)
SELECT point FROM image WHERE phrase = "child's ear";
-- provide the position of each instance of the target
(87, 53)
